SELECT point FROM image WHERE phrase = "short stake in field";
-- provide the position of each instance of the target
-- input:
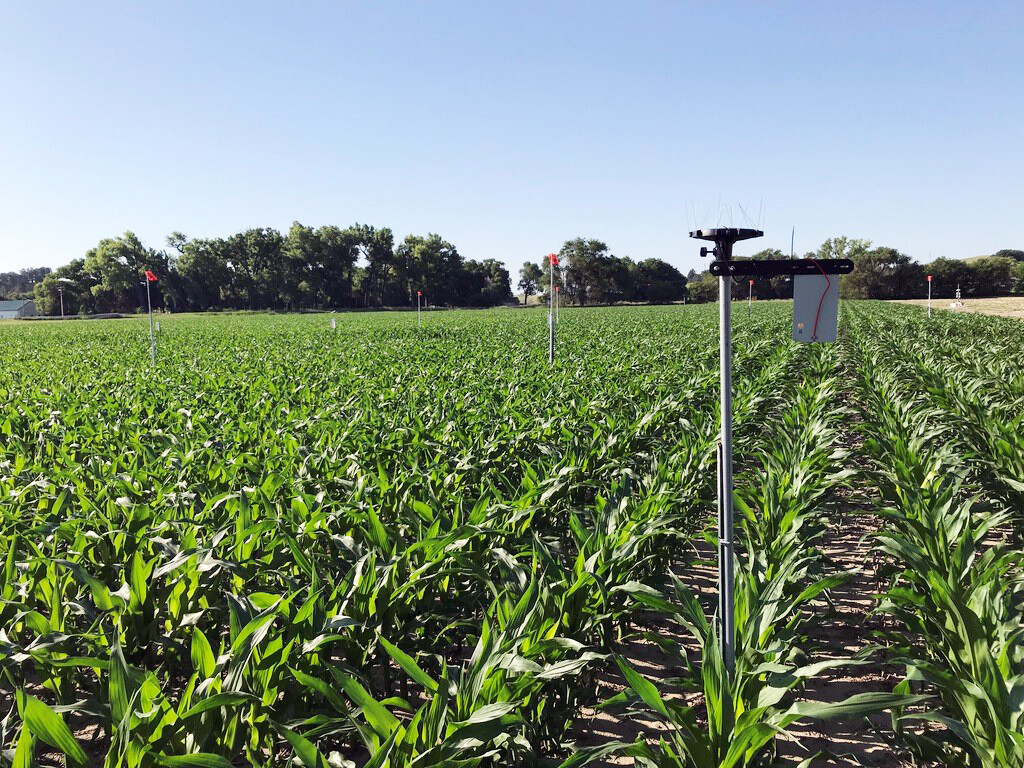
(151, 278)
(750, 298)
(552, 263)
(929, 295)
(726, 270)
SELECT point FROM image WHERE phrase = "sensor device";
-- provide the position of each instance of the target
(816, 284)
(815, 307)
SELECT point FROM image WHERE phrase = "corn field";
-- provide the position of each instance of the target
(398, 547)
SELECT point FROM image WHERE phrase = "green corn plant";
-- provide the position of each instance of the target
(957, 594)
(777, 582)
(745, 713)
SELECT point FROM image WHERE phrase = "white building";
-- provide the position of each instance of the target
(17, 308)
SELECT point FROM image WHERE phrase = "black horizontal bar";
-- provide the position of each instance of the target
(774, 268)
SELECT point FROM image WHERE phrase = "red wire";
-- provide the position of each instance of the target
(828, 284)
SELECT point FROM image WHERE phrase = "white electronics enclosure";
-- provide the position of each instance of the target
(815, 307)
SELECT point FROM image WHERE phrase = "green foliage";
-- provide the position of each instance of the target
(530, 275)
(779, 580)
(936, 425)
(292, 545)
(192, 558)
(21, 284)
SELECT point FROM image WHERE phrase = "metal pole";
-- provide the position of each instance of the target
(152, 339)
(551, 317)
(61, 292)
(419, 317)
(724, 238)
(750, 297)
(929, 296)
(558, 292)
(726, 610)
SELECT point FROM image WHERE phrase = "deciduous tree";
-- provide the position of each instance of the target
(530, 276)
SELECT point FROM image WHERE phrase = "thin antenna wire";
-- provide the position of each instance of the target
(760, 213)
(746, 217)
(792, 239)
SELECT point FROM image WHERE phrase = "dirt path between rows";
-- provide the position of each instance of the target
(844, 632)
(595, 726)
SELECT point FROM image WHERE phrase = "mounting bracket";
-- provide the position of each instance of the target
(774, 268)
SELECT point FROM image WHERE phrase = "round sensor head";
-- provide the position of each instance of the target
(726, 234)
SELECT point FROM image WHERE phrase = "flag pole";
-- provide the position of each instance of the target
(152, 338)
(551, 317)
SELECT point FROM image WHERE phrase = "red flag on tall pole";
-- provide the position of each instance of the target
(553, 258)
(150, 276)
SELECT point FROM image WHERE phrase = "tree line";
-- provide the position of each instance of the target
(260, 269)
(330, 267)
(587, 273)
(362, 267)
(21, 284)
(885, 273)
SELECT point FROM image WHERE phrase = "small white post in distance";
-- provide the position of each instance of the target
(152, 338)
(552, 260)
(929, 295)
(148, 278)
(750, 297)
(419, 316)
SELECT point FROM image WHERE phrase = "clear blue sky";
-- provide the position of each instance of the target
(510, 127)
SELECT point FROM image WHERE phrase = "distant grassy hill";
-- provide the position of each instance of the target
(1012, 253)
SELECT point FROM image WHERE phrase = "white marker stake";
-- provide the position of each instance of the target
(334, 324)
(158, 326)
(152, 338)
(750, 299)
(929, 295)
(552, 260)
(419, 317)
(558, 290)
